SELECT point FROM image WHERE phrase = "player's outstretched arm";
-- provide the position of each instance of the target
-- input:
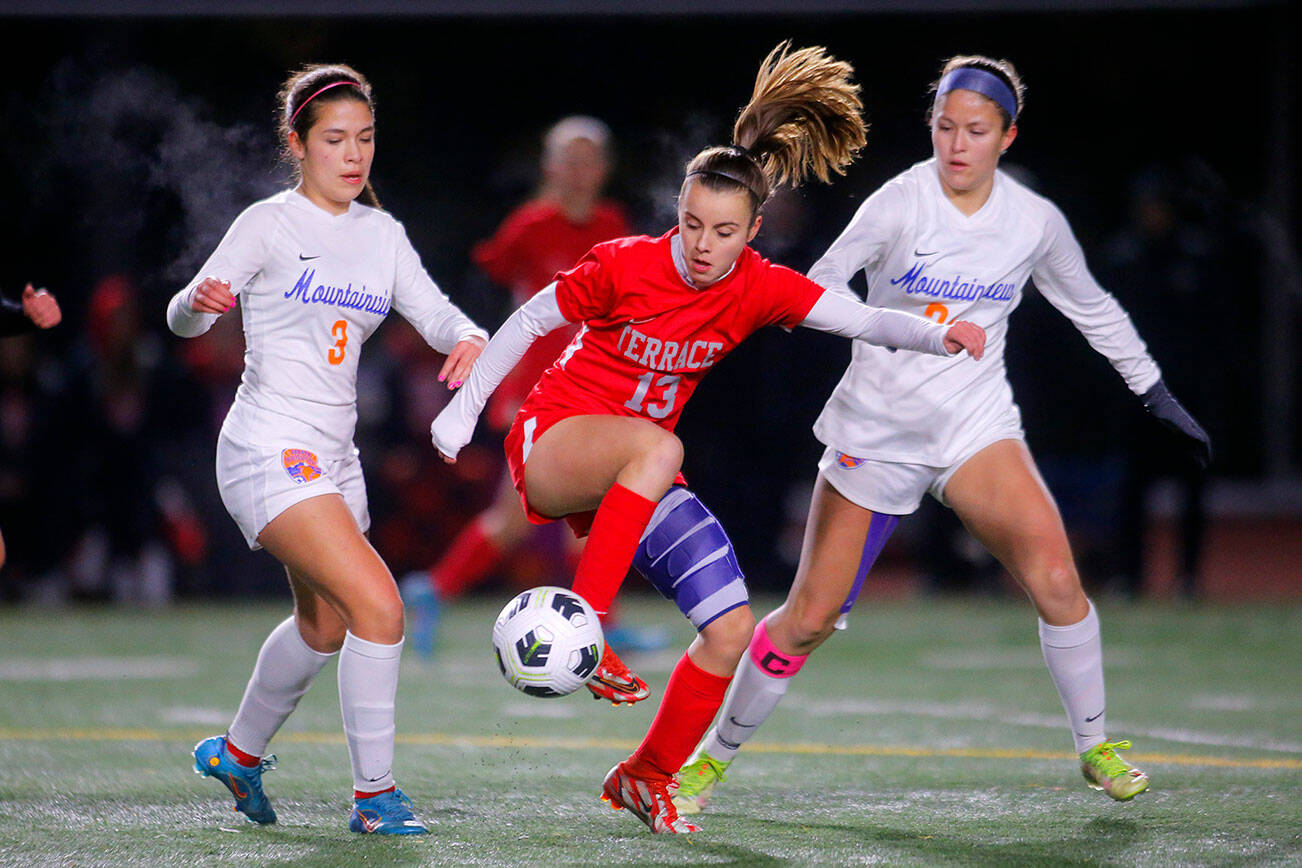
(1159, 401)
(848, 317)
(453, 428)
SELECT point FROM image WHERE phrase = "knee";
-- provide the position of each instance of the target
(1056, 591)
(663, 455)
(376, 614)
(728, 636)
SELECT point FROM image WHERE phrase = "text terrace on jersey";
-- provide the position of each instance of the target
(652, 353)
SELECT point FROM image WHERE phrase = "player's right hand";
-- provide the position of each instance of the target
(964, 335)
(444, 433)
(212, 296)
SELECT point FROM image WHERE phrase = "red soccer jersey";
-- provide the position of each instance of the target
(533, 243)
(648, 337)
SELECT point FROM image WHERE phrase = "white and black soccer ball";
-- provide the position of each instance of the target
(548, 641)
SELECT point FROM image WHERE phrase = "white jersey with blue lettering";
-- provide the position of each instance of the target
(924, 256)
(313, 287)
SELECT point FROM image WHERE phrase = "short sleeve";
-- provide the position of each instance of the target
(789, 296)
(587, 290)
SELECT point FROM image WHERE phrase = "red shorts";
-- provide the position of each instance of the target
(524, 432)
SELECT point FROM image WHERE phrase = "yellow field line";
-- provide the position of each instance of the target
(502, 741)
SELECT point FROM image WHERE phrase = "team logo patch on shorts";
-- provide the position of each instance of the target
(300, 464)
(847, 461)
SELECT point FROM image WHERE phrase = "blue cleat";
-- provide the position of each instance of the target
(422, 604)
(386, 814)
(212, 759)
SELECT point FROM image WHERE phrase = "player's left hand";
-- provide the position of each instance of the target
(457, 366)
(41, 308)
(964, 335)
(1159, 401)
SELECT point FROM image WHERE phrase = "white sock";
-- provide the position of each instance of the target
(1074, 655)
(283, 673)
(751, 699)
(368, 682)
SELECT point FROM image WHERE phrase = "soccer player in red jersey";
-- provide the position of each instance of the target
(547, 234)
(594, 441)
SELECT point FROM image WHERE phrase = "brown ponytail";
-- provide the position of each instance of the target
(306, 91)
(804, 118)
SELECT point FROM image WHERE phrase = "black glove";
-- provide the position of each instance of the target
(1161, 403)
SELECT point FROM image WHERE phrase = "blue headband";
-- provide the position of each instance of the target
(985, 83)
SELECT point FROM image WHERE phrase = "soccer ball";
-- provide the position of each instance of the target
(548, 641)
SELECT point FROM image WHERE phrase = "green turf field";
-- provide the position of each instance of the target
(928, 734)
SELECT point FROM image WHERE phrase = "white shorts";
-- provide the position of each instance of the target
(258, 483)
(891, 487)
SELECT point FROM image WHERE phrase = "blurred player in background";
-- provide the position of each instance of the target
(542, 237)
(317, 271)
(593, 442)
(37, 309)
(950, 237)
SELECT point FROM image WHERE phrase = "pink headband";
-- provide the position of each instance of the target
(317, 94)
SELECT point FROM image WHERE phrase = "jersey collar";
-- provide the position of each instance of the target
(680, 263)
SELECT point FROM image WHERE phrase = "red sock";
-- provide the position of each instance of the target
(463, 565)
(247, 760)
(692, 697)
(610, 619)
(358, 794)
(612, 542)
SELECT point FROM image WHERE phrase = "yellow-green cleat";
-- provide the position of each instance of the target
(696, 782)
(1104, 770)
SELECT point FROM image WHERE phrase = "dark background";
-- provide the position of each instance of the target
(132, 142)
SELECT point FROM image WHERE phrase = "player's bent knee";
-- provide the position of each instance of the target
(686, 554)
(730, 633)
(1056, 590)
(663, 455)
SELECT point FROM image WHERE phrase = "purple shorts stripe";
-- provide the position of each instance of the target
(879, 531)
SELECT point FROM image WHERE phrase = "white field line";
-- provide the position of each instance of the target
(994, 714)
(95, 668)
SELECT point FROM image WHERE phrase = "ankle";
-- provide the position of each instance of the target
(247, 760)
(358, 795)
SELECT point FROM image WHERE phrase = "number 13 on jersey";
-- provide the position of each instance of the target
(668, 386)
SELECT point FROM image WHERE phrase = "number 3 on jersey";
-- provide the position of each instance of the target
(339, 331)
(667, 382)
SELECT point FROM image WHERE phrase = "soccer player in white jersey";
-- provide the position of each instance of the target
(950, 238)
(315, 272)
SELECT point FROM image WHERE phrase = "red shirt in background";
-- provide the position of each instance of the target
(534, 242)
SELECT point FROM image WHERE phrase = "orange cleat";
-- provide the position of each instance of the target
(648, 799)
(616, 682)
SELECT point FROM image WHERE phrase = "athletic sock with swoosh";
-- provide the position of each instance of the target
(1074, 655)
(761, 681)
(368, 684)
(692, 696)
